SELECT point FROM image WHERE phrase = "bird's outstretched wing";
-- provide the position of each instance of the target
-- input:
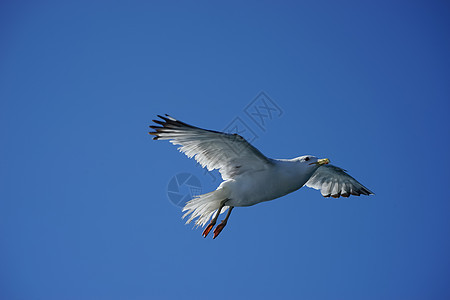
(231, 154)
(335, 182)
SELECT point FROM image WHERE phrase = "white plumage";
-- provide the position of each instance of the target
(249, 176)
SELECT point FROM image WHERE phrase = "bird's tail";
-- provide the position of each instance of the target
(204, 206)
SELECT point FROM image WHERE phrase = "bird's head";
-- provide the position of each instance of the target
(311, 162)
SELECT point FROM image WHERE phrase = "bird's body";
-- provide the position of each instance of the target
(280, 178)
(249, 176)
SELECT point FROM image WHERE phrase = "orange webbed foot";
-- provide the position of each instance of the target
(219, 229)
(208, 229)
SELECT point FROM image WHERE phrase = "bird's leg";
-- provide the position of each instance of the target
(213, 221)
(223, 223)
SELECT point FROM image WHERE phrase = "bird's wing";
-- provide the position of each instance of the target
(231, 154)
(335, 182)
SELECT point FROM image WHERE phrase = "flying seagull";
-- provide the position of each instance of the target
(248, 176)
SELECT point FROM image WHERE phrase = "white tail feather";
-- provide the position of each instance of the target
(204, 206)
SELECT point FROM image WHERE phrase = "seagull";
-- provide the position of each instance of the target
(249, 177)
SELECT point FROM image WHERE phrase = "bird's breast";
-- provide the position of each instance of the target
(252, 188)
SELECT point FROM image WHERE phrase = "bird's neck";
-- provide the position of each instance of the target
(292, 174)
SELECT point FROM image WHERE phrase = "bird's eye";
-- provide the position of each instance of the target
(306, 158)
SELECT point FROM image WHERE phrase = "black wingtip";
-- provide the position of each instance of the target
(167, 118)
(159, 122)
(367, 192)
(155, 135)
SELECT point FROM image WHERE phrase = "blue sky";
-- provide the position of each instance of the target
(84, 207)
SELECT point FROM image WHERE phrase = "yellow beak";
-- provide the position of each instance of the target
(322, 161)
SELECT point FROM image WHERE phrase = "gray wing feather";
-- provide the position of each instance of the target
(335, 182)
(231, 154)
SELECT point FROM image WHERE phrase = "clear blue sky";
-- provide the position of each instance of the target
(84, 209)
